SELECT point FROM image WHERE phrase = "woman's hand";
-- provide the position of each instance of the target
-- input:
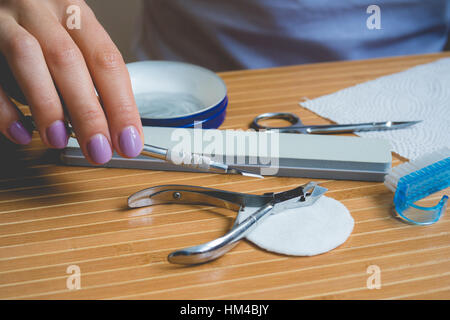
(51, 63)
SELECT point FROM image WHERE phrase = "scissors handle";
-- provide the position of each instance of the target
(287, 116)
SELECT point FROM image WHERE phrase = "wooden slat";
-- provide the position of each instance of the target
(53, 216)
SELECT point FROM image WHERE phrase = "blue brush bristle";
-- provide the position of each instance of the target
(423, 182)
(432, 174)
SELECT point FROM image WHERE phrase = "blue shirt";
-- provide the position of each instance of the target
(237, 34)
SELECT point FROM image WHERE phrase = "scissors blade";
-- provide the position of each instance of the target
(370, 126)
(403, 124)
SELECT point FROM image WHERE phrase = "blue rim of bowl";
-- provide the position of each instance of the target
(205, 117)
(213, 122)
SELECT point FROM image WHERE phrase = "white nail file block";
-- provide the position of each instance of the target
(290, 154)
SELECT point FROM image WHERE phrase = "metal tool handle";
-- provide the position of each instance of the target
(185, 159)
(214, 249)
(184, 194)
(287, 116)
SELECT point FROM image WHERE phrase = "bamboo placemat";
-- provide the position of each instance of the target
(53, 217)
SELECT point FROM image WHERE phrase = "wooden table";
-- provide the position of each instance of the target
(53, 217)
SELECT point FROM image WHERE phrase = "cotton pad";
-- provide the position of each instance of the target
(304, 231)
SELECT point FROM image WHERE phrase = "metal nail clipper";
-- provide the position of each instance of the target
(268, 203)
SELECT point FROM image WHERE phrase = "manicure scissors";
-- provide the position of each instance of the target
(296, 125)
(268, 203)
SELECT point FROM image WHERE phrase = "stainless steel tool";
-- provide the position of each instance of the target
(268, 203)
(185, 159)
(296, 125)
(193, 160)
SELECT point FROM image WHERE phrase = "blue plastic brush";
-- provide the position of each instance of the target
(416, 180)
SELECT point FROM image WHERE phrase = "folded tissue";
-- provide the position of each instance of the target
(419, 93)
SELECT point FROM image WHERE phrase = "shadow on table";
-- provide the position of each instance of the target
(19, 165)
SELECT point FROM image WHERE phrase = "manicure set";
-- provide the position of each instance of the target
(174, 95)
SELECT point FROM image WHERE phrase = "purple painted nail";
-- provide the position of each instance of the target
(99, 149)
(18, 132)
(57, 134)
(130, 142)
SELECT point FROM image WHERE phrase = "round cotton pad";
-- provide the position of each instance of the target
(304, 231)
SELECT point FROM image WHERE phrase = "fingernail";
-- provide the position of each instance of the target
(130, 142)
(99, 149)
(18, 132)
(57, 134)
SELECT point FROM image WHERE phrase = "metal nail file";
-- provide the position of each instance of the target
(288, 154)
(185, 159)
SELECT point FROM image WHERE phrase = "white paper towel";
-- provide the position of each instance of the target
(419, 93)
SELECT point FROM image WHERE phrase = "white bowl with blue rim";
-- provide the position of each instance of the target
(177, 94)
